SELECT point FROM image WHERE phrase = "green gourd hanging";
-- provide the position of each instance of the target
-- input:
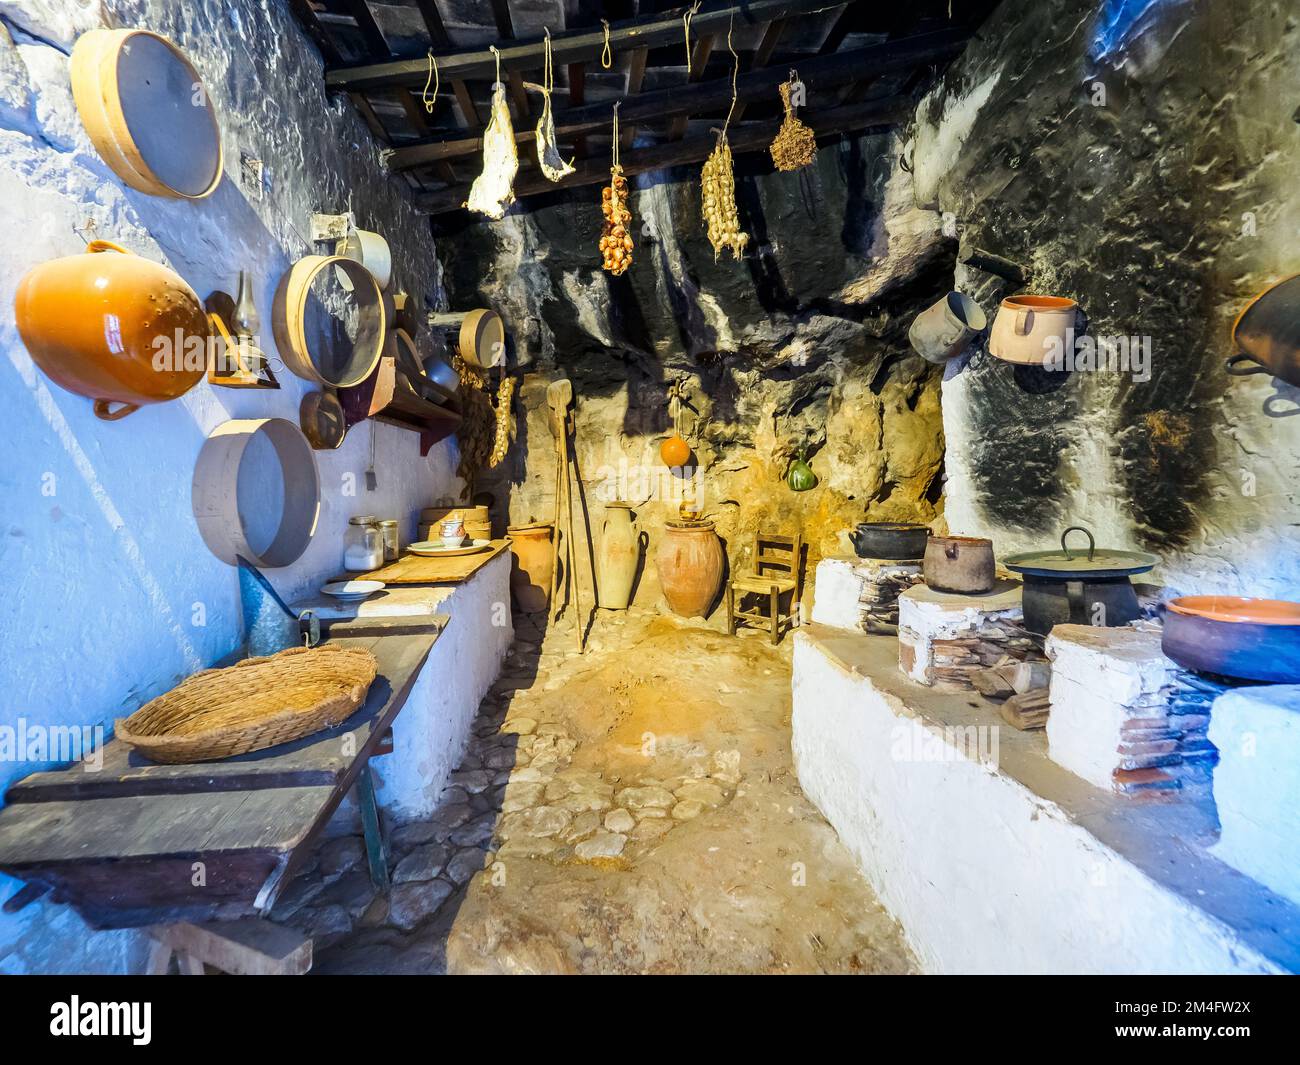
(800, 476)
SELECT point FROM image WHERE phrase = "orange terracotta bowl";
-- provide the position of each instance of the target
(1251, 639)
(1238, 609)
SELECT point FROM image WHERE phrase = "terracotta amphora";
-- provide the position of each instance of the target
(690, 564)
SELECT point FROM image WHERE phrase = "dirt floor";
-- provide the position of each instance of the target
(630, 810)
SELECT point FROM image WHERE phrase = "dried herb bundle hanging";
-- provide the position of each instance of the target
(795, 145)
(615, 239)
(718, 185)
(548, 152)
(484, 435)
(493, 191)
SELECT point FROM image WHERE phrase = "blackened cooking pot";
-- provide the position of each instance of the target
(1252, 639)
(1070, 587)
(898, 541)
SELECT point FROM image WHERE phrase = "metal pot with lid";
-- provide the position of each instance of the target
(1071, 587)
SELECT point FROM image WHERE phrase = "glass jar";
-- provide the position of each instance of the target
(363, 544)
(392, 542)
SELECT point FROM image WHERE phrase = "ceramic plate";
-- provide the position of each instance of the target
(352, 590)
(434, 548)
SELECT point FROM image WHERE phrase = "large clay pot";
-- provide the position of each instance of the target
(690, 562)
(960, 564)
(116, 328)
(617, 557)
(530, 572)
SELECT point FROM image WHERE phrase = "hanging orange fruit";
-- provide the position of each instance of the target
(675, 451)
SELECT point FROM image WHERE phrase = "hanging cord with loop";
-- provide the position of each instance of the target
(607, 56)
(548, 70)
(498, 58)
(686, 25)
(434, 77)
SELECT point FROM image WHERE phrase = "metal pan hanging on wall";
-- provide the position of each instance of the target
(147, 113)
(1267, 332)
(301, 320)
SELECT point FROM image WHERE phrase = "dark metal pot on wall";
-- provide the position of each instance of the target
(1252, 639)
(1070, 587)
(900, 541)
(1268, 334)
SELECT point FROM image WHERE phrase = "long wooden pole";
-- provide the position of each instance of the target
(581, 46)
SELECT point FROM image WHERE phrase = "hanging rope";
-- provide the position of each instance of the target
(615, 159)
(686, 26)
(498, 59)
(735, 73)
(437, 83)
(607, 56)
(548, 71)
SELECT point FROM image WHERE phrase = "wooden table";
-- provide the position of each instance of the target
(423, 569)
(138, 843)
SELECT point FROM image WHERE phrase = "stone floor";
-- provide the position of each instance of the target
(633, 809)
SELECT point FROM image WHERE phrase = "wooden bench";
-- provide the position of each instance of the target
(137, 843)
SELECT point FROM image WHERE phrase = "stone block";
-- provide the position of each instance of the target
(1257, 783)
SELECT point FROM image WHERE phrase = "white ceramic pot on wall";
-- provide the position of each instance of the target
(1029, 329)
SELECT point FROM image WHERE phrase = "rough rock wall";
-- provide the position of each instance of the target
(1144, 159)
(800, 345)
(113, 596)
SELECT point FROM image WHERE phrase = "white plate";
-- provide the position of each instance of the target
(351, 591)
(435, 548)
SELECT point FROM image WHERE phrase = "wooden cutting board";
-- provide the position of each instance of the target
(418, 569)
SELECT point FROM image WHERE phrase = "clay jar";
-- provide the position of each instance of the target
(690, 563)
(961, 564)
(117, 328)
(1029, 329)
(618, 557)
(531, 569)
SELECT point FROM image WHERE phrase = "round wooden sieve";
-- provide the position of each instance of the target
(147, 113)
(297, 306)
(215, 491)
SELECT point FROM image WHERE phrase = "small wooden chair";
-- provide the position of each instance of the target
(775, 572)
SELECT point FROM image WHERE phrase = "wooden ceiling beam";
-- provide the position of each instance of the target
(840, 68)
(433, 23)
(580, 46)
(757, 136)
(370, 31)
(762, 56)
(307, 16)
(635, 75)
(699, 60)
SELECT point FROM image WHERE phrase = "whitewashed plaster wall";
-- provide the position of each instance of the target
(112, 596)
(1150, 168)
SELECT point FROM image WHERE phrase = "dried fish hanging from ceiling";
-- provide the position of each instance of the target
(795, 145)
(718, 184)
(548, 151)
(493, 191)
(615, 239)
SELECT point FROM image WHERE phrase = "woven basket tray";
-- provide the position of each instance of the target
(255, 704)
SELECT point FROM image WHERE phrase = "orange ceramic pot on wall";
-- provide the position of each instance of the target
(117, 328)
(530, 573)
(690, 562)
